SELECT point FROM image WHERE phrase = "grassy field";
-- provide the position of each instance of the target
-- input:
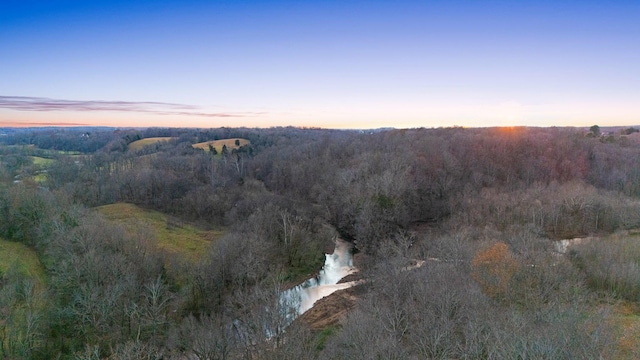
(40, 179)
(139, 144)
(42, 162)
(217, 144)
(20, 258)
(32, 149)
(23, 298)
(171, 235)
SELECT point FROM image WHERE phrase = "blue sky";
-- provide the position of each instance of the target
(336, 64)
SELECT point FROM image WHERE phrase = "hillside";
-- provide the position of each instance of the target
(170, 234)
(482, 211)
(21, 259)
(23, 300)
(233, 143)
(139, 144)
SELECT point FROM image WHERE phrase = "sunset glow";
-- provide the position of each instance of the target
(332, 64)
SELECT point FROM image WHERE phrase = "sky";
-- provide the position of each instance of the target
(330, 64)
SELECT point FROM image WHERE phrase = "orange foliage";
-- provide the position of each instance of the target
(493, 268)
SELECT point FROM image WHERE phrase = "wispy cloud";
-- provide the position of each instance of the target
(37, 124)
(26, 103)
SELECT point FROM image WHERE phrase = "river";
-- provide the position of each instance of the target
(337, 265)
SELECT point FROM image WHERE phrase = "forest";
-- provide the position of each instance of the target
(469, 243)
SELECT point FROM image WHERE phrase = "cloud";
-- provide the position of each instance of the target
(26, 103)
(37, 124)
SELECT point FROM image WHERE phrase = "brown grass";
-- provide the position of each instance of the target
(627, 317)
(139, 144)
(217, 144)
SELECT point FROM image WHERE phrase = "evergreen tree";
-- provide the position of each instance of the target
(213, 150)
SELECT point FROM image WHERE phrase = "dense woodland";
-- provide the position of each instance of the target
(483, 208)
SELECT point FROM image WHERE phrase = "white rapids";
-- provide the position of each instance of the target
(301, 298)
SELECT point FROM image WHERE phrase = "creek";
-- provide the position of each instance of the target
(337, 265)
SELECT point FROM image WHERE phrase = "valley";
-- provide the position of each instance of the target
(319, 244)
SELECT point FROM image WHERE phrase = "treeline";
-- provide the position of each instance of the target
(86, 140)
(480, 207)
(374, 184)
(371, 184)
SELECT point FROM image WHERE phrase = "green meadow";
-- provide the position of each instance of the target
(171, 235)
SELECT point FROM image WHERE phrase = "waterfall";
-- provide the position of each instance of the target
(337, 265)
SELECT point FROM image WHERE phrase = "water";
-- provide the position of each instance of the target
(561, 246)
(301, 298)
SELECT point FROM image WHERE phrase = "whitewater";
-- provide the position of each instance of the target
(337, 265)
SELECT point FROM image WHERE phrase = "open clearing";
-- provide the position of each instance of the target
(171, 235)
(18, 257)
(139, 144)
(42, 162)
(218, 144)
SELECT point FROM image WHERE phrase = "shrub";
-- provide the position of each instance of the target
(612, 265)
(493, 268)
